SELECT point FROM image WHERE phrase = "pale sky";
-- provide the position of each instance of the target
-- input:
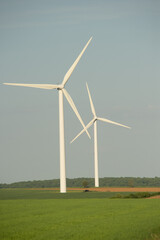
(39, 42)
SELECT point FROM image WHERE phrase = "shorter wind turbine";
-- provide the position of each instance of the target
(94, 121)
(62, 91)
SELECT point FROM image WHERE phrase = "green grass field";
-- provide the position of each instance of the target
(35, 214)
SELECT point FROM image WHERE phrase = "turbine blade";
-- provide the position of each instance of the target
(109, 121)
(42, 86)
(88, 125)
(91, 102)
(68, 74)
(69, 99)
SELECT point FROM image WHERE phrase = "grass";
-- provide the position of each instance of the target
(8, 194)
(31, 214)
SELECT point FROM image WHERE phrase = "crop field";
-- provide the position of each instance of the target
(47, 214)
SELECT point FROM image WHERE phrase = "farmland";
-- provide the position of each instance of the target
(47, 214)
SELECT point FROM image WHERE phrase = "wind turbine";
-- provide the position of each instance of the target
(94, 121)
(62, 91)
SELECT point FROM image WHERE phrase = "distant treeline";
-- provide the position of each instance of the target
(78, 182)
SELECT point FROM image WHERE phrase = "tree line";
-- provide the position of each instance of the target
(79, 182)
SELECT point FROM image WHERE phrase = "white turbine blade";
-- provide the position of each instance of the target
(109, 121)
(69, 99)
(68, 74)
(91, 102)
(88, 125)
(43, 86)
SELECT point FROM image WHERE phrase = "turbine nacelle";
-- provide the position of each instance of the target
(95, 119)
(60, 87)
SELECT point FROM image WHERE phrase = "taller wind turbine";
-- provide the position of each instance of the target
(94, 121)
(61, 89)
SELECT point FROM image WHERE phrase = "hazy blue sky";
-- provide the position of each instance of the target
(39, 42)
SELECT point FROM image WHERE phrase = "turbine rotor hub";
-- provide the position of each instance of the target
(60, 87)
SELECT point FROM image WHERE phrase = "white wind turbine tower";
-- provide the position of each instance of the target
(94, 121)
(61, 89)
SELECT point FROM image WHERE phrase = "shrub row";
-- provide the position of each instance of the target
(137, 195)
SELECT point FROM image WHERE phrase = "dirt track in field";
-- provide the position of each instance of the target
(106, 189)
(155, 197)
(120, 189)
